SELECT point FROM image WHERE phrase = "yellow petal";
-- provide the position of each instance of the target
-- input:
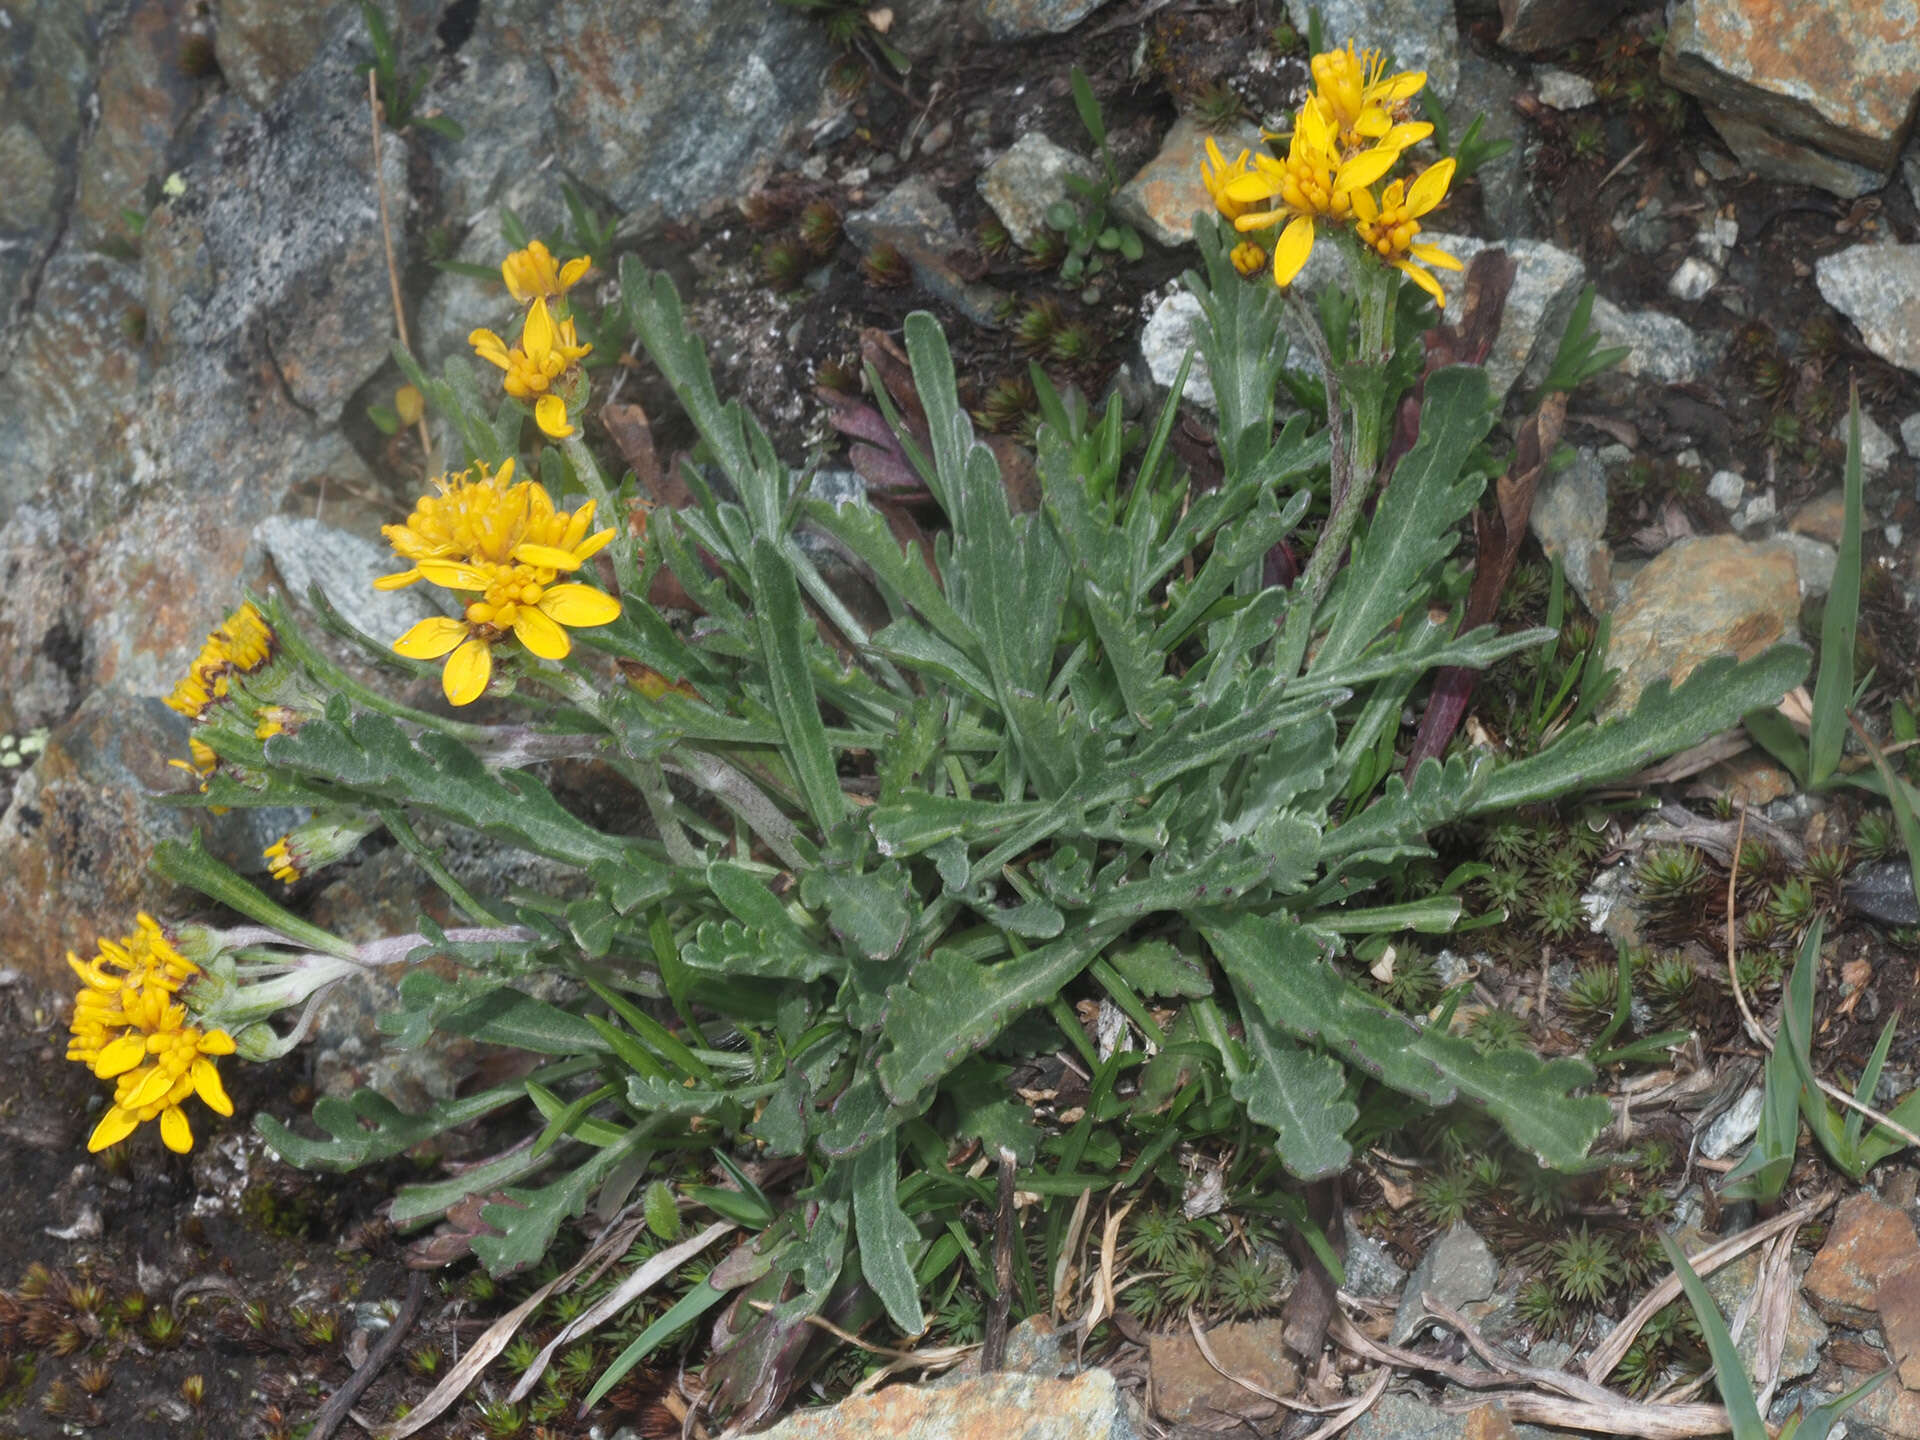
(593, 544)
(1373, 123)
(1394, 196)
(1258, 219)
(152, 1086)
(175, 1133)
(571, 272)
(121, 1056)
(547, 555)
(114, 1127)
(1404, 86)
(579, 605)
(452, 575)
(1431, 188)
(1434, 255)
(206, 1084)
(216, 1042)
(1424, 280)
(399, 581)
(1290, 251)
(539, 633)
(1246, 189)
(550, 414)
(1364, 168)
(431, 639)
(489, 347)
(1402, 136)
(504, 475)
(1363, 204)
(468, 670)
(536, 336)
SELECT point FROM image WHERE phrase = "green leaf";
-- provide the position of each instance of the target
(493, 1014)
(1762, 1172)
(1818, 1423)
(1715, 696)
(871, 913)
(1158, 968)
(528, 1219)
(1833, 688)
(1729, 1373)
(1415, 524)
(951, 1005)
(1088, 105)
(1279, 965)
(1299, 1095)
(699, 1299)
(784, 629)
(887, 1239)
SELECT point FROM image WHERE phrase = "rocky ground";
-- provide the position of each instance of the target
(198, 320)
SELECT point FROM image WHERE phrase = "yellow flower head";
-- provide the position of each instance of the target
(506, 544)
(546, 353)
(128, 1026)
(1217, 174)
(1315, 182)
(1363, 105)
(1249, 257)
(316, 843)
(243, 644)
(1388, 227)
(531, 274)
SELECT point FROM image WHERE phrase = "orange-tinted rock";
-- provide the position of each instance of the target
(1188, 1389)
(1696, 599)
(1868, 1241)
(1828, 73)
(1161, 199)
(993, 1407)
(1822, 517)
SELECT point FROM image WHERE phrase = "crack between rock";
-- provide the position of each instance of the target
(286, 387)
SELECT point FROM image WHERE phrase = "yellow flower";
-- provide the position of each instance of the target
(1313, 183)
(489, 521)
(1216, 174)
(127, 1026)
(1387, 228)
(1248, 257)
(243, 644)
(409, 404)
(202, 760)
(1361, 104)
(536, 616)
(280, 863)
(546, 353)
(531, 273)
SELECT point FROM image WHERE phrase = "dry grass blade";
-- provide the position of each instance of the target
(1063, 1270)
(1604, 1359)
(1104, 1294)
(643, 1279)
(1616, 1417)
(496, 1338)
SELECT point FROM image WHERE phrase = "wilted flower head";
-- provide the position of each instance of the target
(317, 843)
(241, 645)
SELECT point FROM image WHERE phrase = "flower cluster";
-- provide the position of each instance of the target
(544, 366)
(503, 542)
(1347, 137)
(129, 1026)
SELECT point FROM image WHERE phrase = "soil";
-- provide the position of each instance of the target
(253, 1259)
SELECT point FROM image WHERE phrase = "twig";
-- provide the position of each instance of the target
(1625, 160)
(993, 1347)
(343, 1399)
(386, 238)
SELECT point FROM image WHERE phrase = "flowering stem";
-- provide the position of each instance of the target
(428, 861)
(626, 564)
(190, 864)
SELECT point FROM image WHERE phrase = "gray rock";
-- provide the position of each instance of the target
(1023, 19)
(1812, 73)
(1910, 433)
(911, 211)
(1727, 486)
(1458, 1268)
(47, 58)
(1877, 448)
(274, 236)
(499, 87)
(1878, 288)
(308, 552)
(1562, 89)
(1734, 1126)
(1693, 279)
(1759, 510)
(1569, 519)
(670, 109)
(1371, 1272)
(143, 93)
(1487, 89)
(1730, 1286)
(1546, 282)
(1884, 893)
(263, 44)
(1538, 25)
(1030, 177)
(1164, 344)
(1402, 1417)
(1761, 152)
(1419, 34)
(1006, 1405)
(455, 304)
(1814, 561)
(1660, 347)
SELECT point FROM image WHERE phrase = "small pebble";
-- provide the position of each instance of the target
(1728, 488)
